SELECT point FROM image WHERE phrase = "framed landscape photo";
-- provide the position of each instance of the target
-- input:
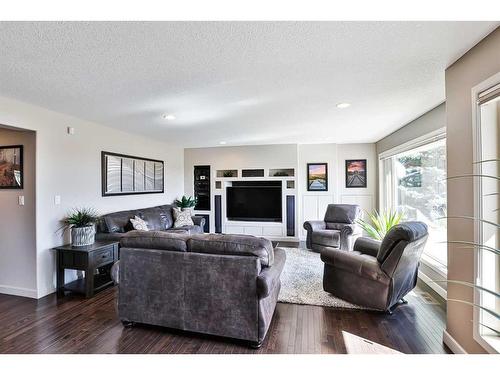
(317, 176)
(11, 167)
(355, 173)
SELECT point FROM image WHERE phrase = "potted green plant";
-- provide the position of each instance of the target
(380, 223)
(186, 203)
(81, 223)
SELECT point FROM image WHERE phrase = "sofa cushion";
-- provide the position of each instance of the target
(188, 229)
(139, 224)
(326, 237)
(159, 240)
(227, 244)
(119, 222)
(152, 216)
(167, 220)
(182, 218)
(342, 213)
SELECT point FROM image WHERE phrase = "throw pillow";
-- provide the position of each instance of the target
(182, 218)
(139, 224)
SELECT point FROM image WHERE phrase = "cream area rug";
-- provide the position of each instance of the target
(302, 281)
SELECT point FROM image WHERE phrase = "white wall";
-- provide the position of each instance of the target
(18, 224)
(310, 205)
(69, 166)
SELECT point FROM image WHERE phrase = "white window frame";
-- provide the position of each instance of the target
(426, 139)
(485, 86)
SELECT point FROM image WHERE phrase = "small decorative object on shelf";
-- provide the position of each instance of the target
(81, 223)
(280, 174)
(227, 174)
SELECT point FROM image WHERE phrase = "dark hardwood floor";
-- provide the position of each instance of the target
(73, 324)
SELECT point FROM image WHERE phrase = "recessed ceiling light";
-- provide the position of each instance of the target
(343, 105)
(222, 142)
(168, 116)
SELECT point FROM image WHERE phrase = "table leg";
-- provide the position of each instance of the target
(89, 282)
(59, 277)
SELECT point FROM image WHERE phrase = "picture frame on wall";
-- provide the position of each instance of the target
(11, 167)
(127, 175)
(355, 173)
(317, 176)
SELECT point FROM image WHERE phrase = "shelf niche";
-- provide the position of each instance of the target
(287, 172)
(228, 173)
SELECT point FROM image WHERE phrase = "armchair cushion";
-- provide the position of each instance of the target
(326, 237)
(367, 246)
(363, 265)
(159, 240)
(409, 231)
(342, 213)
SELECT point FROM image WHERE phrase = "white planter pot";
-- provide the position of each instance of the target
(82, 236)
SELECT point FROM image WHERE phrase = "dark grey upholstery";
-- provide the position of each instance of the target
(214, 284)
(376, 275)
(114, 225)
(338, 229)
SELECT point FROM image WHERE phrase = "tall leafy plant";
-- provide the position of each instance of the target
(378, 224)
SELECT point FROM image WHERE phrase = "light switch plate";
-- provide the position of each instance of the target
(21, 200)
(57, 199)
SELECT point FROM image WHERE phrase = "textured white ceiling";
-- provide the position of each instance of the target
(240, 82)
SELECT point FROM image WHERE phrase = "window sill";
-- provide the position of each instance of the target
(437, 267)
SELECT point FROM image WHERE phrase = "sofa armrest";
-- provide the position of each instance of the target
(356, 263)
(269, 277)
(198, 220)
(367, 245)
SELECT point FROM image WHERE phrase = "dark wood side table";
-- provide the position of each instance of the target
(101, 256)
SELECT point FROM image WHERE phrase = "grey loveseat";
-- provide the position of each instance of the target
(225, 285)
(113, 226)
(376, 274)
(337, 230)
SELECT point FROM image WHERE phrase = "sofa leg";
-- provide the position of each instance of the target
(128, 324)
(255, 344)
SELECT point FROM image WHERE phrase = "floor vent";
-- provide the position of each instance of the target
(428, 299)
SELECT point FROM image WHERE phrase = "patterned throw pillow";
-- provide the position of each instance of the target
(182, 218)
(139, 224)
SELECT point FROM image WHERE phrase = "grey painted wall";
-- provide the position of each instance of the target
(428, 122)
(18, 223)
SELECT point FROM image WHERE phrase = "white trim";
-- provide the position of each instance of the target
(452, 344)
(433, 285)
(433, 136)
(483, 87)
(16, 291)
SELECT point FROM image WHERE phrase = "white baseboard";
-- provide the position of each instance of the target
(451, 343)
(21, 292)
(434, 286)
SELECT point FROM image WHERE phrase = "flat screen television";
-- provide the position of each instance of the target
(254, 203)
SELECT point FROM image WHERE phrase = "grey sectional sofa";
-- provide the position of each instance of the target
(113, 226)
(225, 285)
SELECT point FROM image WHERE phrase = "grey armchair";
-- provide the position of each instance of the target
(337, 230)
(376, 275)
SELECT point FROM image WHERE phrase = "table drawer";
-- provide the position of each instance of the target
(104, 256)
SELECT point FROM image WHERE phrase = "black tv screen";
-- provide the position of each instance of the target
(254, 203)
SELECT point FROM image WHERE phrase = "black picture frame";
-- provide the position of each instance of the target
(320, 183)
(357, 177)
(3, 170)
(105, 172)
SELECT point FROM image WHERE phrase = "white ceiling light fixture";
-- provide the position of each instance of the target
(222, 142)
(343, 105)
(168, 116)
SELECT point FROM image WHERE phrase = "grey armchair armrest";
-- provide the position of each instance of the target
(367, 245)
(362, 265)
(269, 277)
(310, 227)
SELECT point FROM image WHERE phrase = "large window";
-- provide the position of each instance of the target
(487, 213)
(413, 181)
